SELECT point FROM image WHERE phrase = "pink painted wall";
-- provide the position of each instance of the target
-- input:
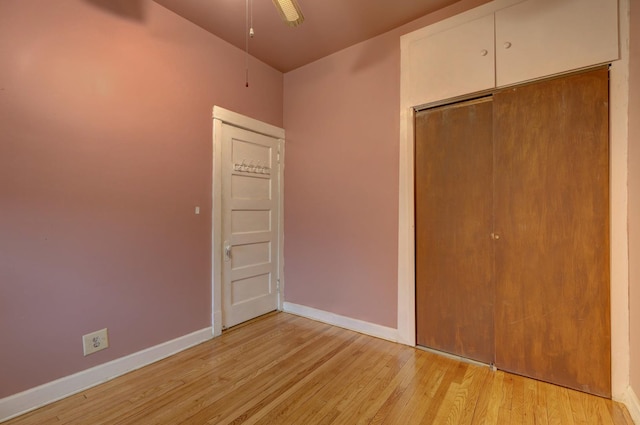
(341, 181)
(105, 150)
(634, 196)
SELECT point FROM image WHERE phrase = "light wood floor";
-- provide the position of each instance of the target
(283, 369)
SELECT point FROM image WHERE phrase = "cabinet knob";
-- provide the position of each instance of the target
(495, 236)
(507, 45)
(484, 52)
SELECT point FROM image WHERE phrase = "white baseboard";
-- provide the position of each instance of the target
(361, 326)
(34, 398)
(630, 399)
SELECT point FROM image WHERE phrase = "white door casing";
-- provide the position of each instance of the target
(247, 218)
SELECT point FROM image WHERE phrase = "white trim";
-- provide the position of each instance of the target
(224, 116)
(216, 229)
(619, 242)
(247, 123)
(34, 398)
(356, 325)
(619, 83)
(406, 233)
(281, 226)
(630, 399)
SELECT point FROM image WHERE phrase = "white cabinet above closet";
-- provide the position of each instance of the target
(455, 61)
(537, 38)
(507, 42)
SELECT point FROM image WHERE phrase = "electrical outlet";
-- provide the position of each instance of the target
(95, 341)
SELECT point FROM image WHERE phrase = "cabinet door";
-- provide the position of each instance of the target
(538, 38)
(454, 252)
(452, 62)
(552, 216)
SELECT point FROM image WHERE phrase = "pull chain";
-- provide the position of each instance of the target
(249, 33)
(246, 44)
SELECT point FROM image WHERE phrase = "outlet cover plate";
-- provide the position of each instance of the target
(95, 341)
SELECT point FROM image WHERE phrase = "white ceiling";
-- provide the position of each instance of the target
(329, 26)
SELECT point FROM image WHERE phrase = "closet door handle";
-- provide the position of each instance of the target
(495, 236)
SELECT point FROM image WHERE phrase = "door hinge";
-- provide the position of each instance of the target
(278, 156)
(278, 285)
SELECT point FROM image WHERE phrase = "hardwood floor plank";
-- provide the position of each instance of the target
(541, 407)
(564, 406)
(353, 375)
(554, 415)
(577, 407)
(391, 390)
(289, 401)
(370, 397)
(517, 402)
(441, 402)
(284, 369)
(486, 411)
(471, 392)
(464, 395)
(421, 393)
(495, 399)
(395, 405)
(504, 410)
(604, 415)
(530, 401)
(265, 381)
(313, 390)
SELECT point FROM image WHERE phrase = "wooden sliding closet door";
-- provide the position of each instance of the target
(454, 253)
(552, 218)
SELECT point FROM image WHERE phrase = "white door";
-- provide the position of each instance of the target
(250, 220)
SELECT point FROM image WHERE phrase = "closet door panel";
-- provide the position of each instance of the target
(454, 257)
(552, 218)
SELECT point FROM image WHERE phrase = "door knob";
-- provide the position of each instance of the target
(227, 251)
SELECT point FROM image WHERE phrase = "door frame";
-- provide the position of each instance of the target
(224, 116)
(618, 144)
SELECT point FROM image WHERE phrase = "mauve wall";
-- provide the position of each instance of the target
(105, 150)
(634, 196)
(342, 120)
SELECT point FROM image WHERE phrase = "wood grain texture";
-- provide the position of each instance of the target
(454, 220)
(284, 369)
(552, 214)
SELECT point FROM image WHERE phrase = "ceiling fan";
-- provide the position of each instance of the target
(290, 11)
